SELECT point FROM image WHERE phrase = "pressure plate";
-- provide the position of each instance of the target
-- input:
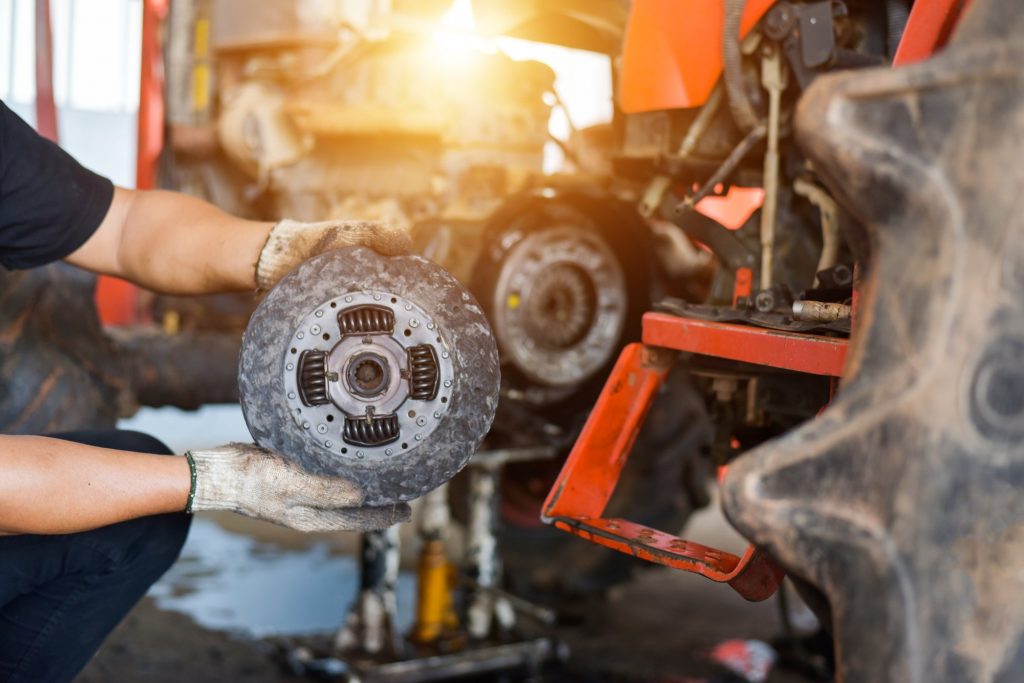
(381, 370)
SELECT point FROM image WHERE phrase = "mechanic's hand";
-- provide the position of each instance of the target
(291, 242)
(254, 481)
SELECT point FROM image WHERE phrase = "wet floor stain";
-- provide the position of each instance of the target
(227, 581)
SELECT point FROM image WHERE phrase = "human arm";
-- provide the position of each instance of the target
(51, 486)
(176, 244)
(52, 208)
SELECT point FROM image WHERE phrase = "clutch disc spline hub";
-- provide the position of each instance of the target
(380, 370)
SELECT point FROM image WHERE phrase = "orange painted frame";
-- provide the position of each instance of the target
(587, 481)
(116, 299)
(672, 52)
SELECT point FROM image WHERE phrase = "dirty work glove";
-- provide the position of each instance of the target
(292, 242)
(254, 481)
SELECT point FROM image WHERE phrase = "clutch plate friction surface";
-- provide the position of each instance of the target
(381, 370)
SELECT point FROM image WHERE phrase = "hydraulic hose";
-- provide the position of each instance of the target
(732, 60)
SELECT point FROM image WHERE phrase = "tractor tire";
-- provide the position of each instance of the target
(904, 501)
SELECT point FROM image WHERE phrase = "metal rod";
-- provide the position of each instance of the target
(773, 78)
(728, 166)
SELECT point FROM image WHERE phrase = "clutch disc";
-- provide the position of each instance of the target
(381, 370)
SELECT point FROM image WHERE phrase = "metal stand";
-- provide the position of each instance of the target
(370, 629)
(490, 611)
(369, 647)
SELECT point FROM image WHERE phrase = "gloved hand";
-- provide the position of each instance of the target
(254, 481)
(292, 242)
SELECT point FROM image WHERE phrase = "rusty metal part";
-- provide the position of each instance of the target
(424, 375)
(184, 370)
(904, 501)
(775, 320)
(371, 431)
(396, 430)
(586, 483)
(368, 319)
(820, 311)
(51, 381)
(313, 378)
(560, 305)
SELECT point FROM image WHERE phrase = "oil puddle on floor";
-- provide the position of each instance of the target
(234, 582)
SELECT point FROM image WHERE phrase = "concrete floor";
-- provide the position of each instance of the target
(242, 588)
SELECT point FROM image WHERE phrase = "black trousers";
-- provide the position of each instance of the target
(61, 596)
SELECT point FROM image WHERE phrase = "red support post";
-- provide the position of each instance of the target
(116, 299)
(46, 106)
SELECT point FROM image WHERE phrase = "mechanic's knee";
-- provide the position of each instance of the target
(155, 544)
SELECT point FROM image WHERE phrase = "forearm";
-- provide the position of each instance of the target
(50, 486)
(174, 244)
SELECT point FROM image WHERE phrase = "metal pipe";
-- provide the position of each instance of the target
(732, 63)
(829, 211)
(728, 166)
(820, 311)
(702, 122)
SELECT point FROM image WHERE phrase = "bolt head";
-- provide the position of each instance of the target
(305, 425)
(328, 443)
(291, 395)
(319, 314)
(290, 366)
(322, 429)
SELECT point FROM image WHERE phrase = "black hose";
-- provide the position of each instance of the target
(732, 61)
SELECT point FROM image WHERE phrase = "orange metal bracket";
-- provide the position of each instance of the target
(587, 481)
(811, 354)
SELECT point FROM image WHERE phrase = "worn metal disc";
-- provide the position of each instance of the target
(382, 370)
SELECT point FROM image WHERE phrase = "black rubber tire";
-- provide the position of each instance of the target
(473, 397)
